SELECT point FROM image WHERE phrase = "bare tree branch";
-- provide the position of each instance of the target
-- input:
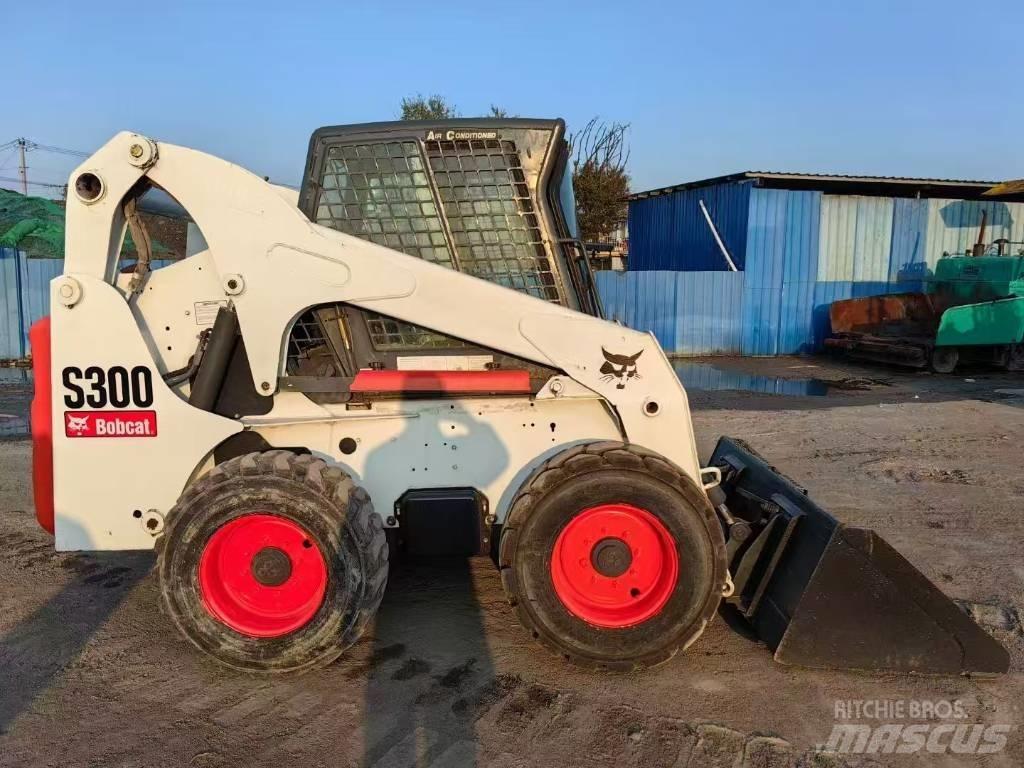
(600, 154)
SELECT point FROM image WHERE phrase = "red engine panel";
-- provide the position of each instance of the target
(42, 423)
(447, 382)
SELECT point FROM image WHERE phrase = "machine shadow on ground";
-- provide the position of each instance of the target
(426, 708)
(67, 621)
(431, 617)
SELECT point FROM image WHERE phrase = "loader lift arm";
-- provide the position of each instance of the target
(274, 264)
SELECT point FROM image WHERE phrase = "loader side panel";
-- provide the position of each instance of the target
(124, 443)
(488, 443)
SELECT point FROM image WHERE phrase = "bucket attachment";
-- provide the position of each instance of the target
(823, 594)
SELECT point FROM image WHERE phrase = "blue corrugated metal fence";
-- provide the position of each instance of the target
(691, 313)
(25, 296)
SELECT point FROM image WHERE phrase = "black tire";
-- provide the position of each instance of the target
(943, 359)
(1014, 357)
(603, 473)
(322, 500)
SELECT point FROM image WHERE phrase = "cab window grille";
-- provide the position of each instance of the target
(380, 192)
(490, 213)
(305, 343)
(385, 192)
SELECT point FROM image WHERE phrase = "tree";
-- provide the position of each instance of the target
(436, 107)
(599, 178)
(431, 108)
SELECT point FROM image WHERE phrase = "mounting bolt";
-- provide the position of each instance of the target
(265, 386)
(391, 520)
(69, 291)
(153, 522)
(556, 387)
(233, 285)
(142, 152)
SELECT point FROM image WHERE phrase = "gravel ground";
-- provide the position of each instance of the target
(94, 675)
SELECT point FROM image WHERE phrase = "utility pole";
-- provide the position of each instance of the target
(22, 168)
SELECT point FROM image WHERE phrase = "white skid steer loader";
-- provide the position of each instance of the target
(268, 412)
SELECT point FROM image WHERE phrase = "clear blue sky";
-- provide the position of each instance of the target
(903, 87)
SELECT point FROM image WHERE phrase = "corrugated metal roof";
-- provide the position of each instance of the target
(909, 186)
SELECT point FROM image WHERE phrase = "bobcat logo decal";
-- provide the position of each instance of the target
(619, 367)
(78, 424)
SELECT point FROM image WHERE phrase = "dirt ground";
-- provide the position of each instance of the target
(92, 673)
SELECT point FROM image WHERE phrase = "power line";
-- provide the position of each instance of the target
(32, 145)
(33, 183)
(27, 145)
(9, 157)
(35, 145)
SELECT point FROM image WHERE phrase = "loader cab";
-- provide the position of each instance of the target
(490, 197)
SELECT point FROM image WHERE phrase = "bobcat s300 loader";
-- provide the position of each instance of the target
(268, 412)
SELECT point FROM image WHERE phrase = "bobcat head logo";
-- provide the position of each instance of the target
(78, 424)
(619, 367)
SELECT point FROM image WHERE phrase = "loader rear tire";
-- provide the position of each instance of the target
(273, 562)
(612, 557)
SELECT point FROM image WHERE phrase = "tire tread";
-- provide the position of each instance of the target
(581, 460)
(325, 479)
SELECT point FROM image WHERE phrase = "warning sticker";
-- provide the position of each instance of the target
(206, 311)
(110, 423)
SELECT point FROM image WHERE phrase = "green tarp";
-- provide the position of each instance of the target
(35, 225)
(31, 224)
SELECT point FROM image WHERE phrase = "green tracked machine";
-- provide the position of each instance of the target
(972, 308)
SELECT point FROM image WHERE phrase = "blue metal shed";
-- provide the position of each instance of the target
(800, 242)
(671, 232)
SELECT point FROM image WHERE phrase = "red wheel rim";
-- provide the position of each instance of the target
(262, 575)
(614, 565)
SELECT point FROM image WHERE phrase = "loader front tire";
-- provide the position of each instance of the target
(612, 557)
(273, 562)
